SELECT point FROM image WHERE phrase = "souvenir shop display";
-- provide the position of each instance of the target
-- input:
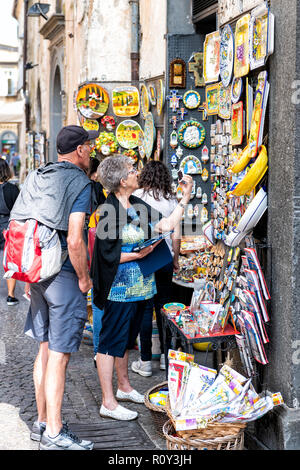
(211, 66)
(92, 101)
(196, 67)
(173, 139)
(191, 99)
(224, 110)
(152, 94)
(160, 96)
(132, 154)
(226, 55)
(174, 100)
(181, 113)
(212, 99)
(191, 134)
(126, 101)
(258, 114)
(205, 154)
(106, 143)
(236, 89)
(144, 100)
(108, 122)
(90, 125)
(261, 36)
(128, 134)
(149, 134)
(241, 59)
(191, 165)
(177, 73)
(237, 123)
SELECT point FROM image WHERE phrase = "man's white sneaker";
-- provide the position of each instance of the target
(162, 364)
(120, 413)
(133, 396)
(143, 368)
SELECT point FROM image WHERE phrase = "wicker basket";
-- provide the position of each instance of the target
(158, 412)
(175, 442)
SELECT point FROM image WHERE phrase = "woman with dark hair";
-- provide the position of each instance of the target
(8, 195)
(155, 184)
(120, 285)
(98, 196)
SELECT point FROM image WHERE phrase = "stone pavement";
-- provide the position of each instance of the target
(82, 398)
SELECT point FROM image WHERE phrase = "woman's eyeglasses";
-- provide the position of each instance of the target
(132, 171)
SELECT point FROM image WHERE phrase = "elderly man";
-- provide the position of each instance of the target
(59, 192)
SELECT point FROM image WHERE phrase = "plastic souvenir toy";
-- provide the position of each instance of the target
(128, 133)
(92, 101)
(236, 89)
(173, 139)
(191, 99)
(226, 55)
(212, 99)
(191, 134)
(145, 102)
(261, 36)
(237, 124)
(126, 101)
(241, 59)
(211, 66)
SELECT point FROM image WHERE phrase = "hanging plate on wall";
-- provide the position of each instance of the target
(191, 165)
(126, 101)
(236, 89)
(149, 135)
(145, 103)
(92, 101)
(224, 102)
(211, 66)
(226, 55)
(241, 57)
(160, 96)
(191, 134)
(128, 134)
(191, 99)
(152, 94)
(261, 36)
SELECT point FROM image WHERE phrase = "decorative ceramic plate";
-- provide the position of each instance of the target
(92, 101)
(191, 165)
(174, 307)
(149, 135)
(236, 89)
(241, 59)
(191, 134)
(126, 101)
(152, 94)
(90, 125)
(261, 36)
(226, 55)
(160, 97)
(191, 99)
(211, 66)
(224, 102)
(145, 102)
(237, 124)
(128, 134)
(212, 99)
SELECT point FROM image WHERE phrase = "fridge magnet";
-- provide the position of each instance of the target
(212, 99)
(92, 101)
(196, 67)
(191, 99)
(108, 122)
(204, 215)
(211, 65)
(173, 121)
(191, 165)
(177, 74)
(196, 211)
(205, 154)
(145, 102)
(261, 34)
(174, 173)
(237, 124)
(224, 102)
(179, 152)
(191, 134)
(181, 113)
(204, 175)
(173, 160)
(226, 55)
(241, 58)
(126, 101)
(160, 97)
(236, 89)
(199, 192)
(204, 199)
(174, 100)
(152, 94)
(149, 134)
(173, 139)
(128, 134)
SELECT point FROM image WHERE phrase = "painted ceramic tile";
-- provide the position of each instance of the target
(226, 55)
(191, 165)
(211, 68)
(128, 134)
(191, 99)
(191, 134)
(237, 124)
(261, 36)
(224, 102)
(92, 101)
(212, 99)
(241, 59)
(126, 101)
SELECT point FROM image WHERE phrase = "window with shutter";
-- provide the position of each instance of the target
(203, 9)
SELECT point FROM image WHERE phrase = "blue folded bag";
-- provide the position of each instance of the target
(160, 257)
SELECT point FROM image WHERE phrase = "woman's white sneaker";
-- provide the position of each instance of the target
(120, 413)
(143, 368)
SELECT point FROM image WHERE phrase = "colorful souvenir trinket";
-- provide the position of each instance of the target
(108, 122)
(211, 67)
(196, 67)
(199, 192)
(236, 89)
(173, 121)
(152, 94)
(204, 215)
(160, 96)
(237, 124)
(212, 99)
(204, 175)
(90, 125)
(173, 139)
(226, 55)
(241, 59)
(259, 107)
(174, 100)
(145, 102)
(204, 154)
(177, 74)
(224, 102)
(126, 101)
(149, 134)
(191, 134)
(181, 113)
(191, 165)
(191, 99)
(261, 36)
(92, 101)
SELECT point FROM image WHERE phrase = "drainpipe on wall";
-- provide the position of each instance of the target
(135, 54)
(25, 93)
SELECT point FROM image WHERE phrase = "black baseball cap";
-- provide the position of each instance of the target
(69, 137)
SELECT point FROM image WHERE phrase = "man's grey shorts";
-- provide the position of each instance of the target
(57, 312)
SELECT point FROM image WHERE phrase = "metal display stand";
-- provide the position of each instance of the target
(219, 341)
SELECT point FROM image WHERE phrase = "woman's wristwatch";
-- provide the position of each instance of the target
(182, 204)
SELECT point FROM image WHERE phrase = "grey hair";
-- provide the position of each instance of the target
(112, 169)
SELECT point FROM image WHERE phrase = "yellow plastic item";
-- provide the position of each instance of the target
(254, 175)
(241, 163)
(202, 346)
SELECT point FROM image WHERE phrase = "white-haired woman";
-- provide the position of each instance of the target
(120, 288)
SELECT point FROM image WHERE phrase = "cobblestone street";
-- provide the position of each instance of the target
(82, 397)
